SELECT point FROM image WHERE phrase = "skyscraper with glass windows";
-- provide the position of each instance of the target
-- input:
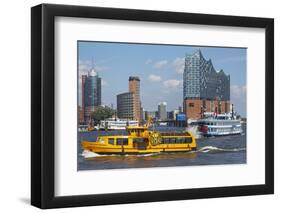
(91, 93)
(204, 88)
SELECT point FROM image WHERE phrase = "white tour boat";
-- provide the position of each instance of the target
(117, 124)
(218, 124)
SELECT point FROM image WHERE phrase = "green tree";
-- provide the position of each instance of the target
(102, 113)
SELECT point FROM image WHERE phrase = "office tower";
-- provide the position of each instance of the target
(125, 105)
(162, 112)
(91, 93)
(134, 87)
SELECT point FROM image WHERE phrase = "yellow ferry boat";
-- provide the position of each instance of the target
(140, 140)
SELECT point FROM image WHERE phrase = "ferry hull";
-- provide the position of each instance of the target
(221, 134)
(99, 149)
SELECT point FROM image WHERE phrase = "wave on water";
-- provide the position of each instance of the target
(89, 154)
(207, 149)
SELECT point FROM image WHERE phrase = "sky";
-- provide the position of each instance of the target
(160, 69)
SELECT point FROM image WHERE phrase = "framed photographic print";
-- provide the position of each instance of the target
(141, 106)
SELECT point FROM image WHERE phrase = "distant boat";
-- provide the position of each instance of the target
(219, 125)
(117, 124)
(86, 128)
(83, 128)
(163, 124)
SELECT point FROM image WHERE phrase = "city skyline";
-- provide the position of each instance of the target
(160, 68)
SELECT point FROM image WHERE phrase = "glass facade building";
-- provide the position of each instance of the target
(92, 91)
(125, 105)
(202, 81)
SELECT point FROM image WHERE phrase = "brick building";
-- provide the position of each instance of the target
(134, 87)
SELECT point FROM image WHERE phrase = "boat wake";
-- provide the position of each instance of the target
(206, 149)
(194, 131)
(88, 154)
(212, 149)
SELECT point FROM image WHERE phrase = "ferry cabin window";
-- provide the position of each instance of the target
(188, 140)
(111, 141)
(165, 140)
(138, 140)
(180, 140)
(172, 140)
(122, 141)
(176, 140)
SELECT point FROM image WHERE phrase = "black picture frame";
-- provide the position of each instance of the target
(43, 105)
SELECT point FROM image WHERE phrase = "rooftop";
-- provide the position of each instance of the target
(134, 78)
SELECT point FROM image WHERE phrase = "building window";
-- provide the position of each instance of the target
(191, 104)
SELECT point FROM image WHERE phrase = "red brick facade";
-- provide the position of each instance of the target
(193, 108)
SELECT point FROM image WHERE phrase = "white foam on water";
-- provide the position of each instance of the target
(194, 131)
(209, 148)
(206, 149)
(147, 155)
(89, 154)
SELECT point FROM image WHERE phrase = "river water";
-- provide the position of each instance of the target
(210, 151)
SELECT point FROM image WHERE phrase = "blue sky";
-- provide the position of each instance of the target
(160, 69)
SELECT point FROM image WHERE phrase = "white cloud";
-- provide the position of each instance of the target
(100, 68)
(232, 59)
(154, 78)
(238, 96)
(84, 67)
(172, 84)
(178, 64)
(148, 61)
(160, 64)
(238, 91)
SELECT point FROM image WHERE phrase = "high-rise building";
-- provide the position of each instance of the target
(125, 105)
(128, 103)
(80, 115)
(91, 93)
(204, 88)
(142, 115)
(162, 112)
(134, 87)
(149, 115)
